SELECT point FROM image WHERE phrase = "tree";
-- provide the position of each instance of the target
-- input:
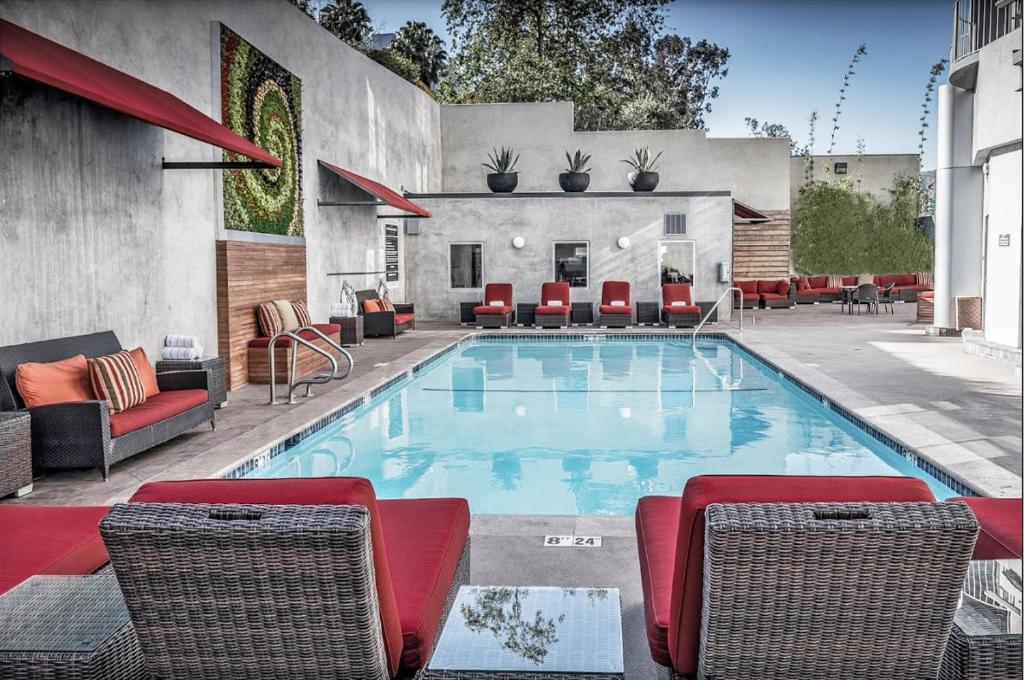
(418, 43)
(759, 129)
(348, 20)
(609, 57)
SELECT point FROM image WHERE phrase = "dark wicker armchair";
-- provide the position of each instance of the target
(78, 434)
(385, 323)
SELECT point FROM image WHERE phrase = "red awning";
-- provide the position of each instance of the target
(33, 56)
(745, 212)
(378, 191)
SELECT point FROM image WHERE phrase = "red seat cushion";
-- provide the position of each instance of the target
(424, 539)
(683, 309)
(769, 286)
(746, 286)
(612, 291)
(1001, 527)
(498, 291)
(849, 280)
(327, 329)
(611, 309)
(554, 290)
(751, 296)
(675, 292)
(906, 280)
(159, 407)
(300, 491)
(773, 296)
(818, 281)
(826, 291)
(402, 319)
(657, 526)
(491, 309)
(701, 491)
(546, 309)
(807, 293)
(49, 539)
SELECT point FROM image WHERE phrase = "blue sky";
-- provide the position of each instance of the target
(788, 58)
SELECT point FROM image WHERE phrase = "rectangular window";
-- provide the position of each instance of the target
(676, 261)
(572, 263)
(465, 264)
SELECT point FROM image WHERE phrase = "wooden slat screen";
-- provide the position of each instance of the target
(762, 250)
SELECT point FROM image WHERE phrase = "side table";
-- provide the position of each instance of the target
(72, 627)
(582, 313)
(648, 313)
(15, 453)
(466, 315)
(351, 329)
(525, 313)
(704, 307)
(216, 367)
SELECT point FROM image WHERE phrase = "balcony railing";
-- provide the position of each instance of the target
(976, 23)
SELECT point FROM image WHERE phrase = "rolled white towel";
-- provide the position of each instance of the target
(177, 340)
(339, 309)
(181, 353)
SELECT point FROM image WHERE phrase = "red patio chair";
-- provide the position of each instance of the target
(615, 309)
(677, 305)
(554, 308)
(308, 577)
(496, 310)
(1001, 527)
(753, 576)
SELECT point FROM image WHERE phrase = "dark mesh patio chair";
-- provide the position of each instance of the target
(885, 297)
(866, 294)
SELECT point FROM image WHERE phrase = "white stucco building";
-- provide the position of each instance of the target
(978, 178)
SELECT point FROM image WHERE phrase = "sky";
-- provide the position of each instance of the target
(788, 57)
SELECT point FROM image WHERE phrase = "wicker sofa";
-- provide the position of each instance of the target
(83, 434)
(763, 293)
(782, 576)
(387, 323)
(309, 577)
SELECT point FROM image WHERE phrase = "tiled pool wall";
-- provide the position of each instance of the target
(264, 457)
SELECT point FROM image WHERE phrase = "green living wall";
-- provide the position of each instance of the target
(262, 102)
(838, 230)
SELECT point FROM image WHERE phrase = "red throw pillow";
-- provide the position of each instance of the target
(54, 382)
(146, 373)
(782, 288)
(747, 286)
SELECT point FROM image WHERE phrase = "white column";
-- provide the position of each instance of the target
(944, 207)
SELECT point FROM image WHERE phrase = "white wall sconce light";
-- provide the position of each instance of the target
(623, 242)
(518, 242)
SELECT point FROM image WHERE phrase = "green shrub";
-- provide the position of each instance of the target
(396, 63)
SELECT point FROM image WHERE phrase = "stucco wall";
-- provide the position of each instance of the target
(873, 173)
(95, 235)
(997, 96)
(1003, 259)
(541, 222)
(756, 171)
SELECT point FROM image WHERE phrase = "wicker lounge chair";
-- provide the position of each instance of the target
(747, 297)
(677, 305)
(385, 323)
(615, 309)
(801, 293)
(83, 434)
(817, 578)
(548, 315)
(496, 310)
(774, 294)
(297, 578)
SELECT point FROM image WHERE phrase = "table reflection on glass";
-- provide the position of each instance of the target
(530, 632)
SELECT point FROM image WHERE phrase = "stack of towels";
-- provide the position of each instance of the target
(181, 348)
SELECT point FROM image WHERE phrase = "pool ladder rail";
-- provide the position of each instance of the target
(316, 379)
(715, 306)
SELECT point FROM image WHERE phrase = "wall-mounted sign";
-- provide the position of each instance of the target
(1004, 240)
(841, 168)
(391, 252)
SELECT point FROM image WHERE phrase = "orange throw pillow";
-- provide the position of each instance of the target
(371, 305)
(146, 373)
(54, 382)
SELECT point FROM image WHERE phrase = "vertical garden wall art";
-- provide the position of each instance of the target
(262, 102)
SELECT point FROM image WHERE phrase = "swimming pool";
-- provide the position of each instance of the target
(585, 425)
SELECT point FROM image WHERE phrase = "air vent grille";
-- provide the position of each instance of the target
(675, 224)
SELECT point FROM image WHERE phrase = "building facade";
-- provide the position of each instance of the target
(978, 175)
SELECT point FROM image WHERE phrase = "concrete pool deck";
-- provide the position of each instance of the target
(924, 391)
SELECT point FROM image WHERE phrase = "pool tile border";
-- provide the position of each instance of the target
(262, 458)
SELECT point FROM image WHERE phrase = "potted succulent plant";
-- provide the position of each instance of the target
(503, 178)
(576, 177)
(643, 177)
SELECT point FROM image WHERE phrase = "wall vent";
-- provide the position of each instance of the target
(675, 224)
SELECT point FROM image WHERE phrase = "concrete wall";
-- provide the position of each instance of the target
(1003, 250)
(997, 97)
(873, 173)
(95, 235)
(542, 221)
(756, 171)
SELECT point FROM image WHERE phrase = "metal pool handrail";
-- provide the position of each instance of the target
(715, 306)
(292, 383)
(344, 352)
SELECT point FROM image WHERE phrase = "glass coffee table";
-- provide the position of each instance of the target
(530, 633)
(985, 642)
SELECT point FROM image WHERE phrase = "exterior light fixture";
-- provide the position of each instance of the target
(518, 242)
(623, 242)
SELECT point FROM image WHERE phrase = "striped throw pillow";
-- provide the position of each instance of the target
(835, 281)
(270, 320)
(302, 313)
(116, 379)
(923, 279)
(387, 305)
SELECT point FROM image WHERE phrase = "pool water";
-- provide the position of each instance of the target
(580, 427)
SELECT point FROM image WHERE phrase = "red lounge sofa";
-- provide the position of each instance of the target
(49, 539)
(385, 323)
(671, 542)
(774, 294)
(819, 286)
(677, 308)
(748, 295)
(1001, 527)
(547, 315)
(616, 309)
(801, 293)
(905, 286)
(420, 556)
(490, 315)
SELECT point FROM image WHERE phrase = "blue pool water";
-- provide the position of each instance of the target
(585, 428)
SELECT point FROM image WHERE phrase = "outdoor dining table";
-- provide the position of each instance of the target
(848, 298)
